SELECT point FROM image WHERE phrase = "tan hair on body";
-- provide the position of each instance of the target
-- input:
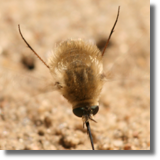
(77, 69)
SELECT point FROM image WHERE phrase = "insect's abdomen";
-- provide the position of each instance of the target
(77, 67)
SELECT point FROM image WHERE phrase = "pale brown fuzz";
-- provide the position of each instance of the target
(77, 70)
(76, 67)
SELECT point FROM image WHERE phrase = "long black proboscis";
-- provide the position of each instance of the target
(90, 135)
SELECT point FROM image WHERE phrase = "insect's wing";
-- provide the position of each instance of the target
(131, 63)
(21, 84)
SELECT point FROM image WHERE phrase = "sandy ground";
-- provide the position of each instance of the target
(32, 116)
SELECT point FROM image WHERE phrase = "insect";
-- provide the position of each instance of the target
(77, 69)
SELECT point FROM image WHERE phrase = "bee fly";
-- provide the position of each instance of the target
(78, 73)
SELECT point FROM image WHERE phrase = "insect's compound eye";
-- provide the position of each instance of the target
(94, 109)
(79, 112)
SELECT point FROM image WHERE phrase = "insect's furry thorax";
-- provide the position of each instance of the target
(77, 70)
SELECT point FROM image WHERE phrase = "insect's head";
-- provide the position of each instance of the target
(86, 111)
(83, 110)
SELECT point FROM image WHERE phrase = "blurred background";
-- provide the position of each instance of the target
(32, 116)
